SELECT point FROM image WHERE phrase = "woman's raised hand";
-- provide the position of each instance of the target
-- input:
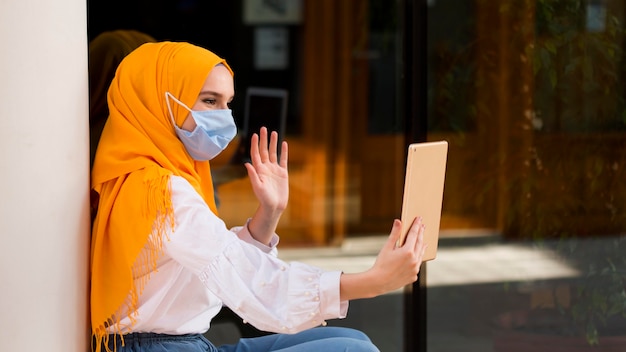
(268, 175)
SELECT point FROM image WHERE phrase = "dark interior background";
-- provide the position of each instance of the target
(215, 25)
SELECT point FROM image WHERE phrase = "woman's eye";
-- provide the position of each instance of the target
(210, 101)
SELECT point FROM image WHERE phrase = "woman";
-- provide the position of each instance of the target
(163, 263)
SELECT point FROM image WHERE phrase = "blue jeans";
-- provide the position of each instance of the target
(326, 339)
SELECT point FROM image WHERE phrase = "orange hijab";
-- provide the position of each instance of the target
(137, 154)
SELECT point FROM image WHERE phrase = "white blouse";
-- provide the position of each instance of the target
(205, 265)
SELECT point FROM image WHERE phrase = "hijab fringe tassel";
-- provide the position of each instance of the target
(158, 207)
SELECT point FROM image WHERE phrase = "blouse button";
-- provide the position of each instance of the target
(316, 299)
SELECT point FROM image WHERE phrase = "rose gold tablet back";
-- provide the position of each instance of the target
(423, 190)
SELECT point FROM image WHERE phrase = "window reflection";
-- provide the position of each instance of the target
(529, 95)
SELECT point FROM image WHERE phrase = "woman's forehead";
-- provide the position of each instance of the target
(219, 82)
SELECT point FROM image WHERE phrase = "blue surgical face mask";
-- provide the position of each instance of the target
(214, 130)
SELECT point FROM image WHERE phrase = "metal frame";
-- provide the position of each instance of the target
(415, 110)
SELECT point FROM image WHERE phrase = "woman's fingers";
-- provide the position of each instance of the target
(420, 229)
(263, 152)
(267, 148)
(415, 240)
(254, 149)
(273, 145)
(284, 154)
(394, 236)
(413, 233)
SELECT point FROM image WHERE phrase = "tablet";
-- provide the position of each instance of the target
(423, 191)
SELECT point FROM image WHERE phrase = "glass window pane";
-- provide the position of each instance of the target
(529, 94)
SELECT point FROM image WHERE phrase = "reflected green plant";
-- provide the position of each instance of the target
(579, 92)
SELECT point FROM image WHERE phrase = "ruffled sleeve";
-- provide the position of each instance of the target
(246, 275)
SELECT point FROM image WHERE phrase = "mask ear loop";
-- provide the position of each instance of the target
(169, 107)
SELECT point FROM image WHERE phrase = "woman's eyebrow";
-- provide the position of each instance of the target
(213, 94)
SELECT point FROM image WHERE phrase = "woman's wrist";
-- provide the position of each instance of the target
(262, 225)
(360, 285)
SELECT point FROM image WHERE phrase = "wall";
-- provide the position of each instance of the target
(44, 168)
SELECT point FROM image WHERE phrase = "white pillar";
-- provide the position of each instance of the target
(44, 175)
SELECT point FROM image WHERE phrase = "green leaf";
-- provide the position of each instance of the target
(551, 47)
(592, 334)
(552, 76)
